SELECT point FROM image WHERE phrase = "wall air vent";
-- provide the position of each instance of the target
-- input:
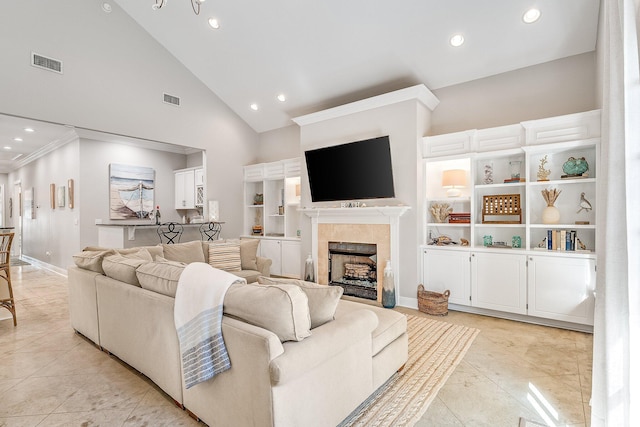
(170, 99)
(45, 63)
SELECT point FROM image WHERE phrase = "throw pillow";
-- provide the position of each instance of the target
(184, 252)
(323, 299)
(160, 277)
(91, 260)
(154, 251)
(281, 309)
(123, 267)
(248, 253)
(225, 256)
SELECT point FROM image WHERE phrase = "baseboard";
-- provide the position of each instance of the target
(413, 303)
(37, 263)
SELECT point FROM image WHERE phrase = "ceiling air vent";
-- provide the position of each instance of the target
(170, 99)
(45, 63)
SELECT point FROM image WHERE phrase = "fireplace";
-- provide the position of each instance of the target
(353, 266)
(377, 225)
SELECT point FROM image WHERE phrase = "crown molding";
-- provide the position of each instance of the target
(419, 93)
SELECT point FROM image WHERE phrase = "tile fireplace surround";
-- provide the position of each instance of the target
(374, 224)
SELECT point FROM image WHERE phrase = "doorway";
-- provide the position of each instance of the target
(15, 216)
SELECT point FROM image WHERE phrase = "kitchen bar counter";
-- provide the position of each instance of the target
(128, 235)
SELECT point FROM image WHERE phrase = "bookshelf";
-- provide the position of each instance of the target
(503, 166)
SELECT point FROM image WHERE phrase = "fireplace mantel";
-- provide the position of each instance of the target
(364, 215)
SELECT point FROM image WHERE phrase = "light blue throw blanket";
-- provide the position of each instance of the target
(198, 318)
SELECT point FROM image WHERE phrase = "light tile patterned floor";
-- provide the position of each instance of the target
(50, 376)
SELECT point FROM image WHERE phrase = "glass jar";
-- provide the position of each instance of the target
(388, 287)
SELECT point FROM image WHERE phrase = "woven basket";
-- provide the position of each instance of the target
(433, 303)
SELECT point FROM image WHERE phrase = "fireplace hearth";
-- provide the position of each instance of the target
(353, 266)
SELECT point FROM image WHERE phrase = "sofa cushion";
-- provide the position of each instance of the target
(160, 277)
(154, 251)
(323, 299)
(248, 253)
(225, 256)
(184, 252)
(123, 267)
(391, 324)
(92, 260)
(251, 276)
(281, 309)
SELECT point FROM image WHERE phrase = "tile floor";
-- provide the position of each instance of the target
(50, 376)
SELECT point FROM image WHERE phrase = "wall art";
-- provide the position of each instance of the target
(131, 191)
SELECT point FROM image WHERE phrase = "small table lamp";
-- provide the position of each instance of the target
(454, 179)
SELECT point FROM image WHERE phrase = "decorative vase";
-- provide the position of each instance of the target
(514, 168)
(550, 215)
(388, 287)
(309, 275)
(516, 242)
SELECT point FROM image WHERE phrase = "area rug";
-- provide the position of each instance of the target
(435, 349)
(16, 262)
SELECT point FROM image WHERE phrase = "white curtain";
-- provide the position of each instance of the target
(616, 359)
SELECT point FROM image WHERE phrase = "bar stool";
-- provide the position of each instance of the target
(210, 231)
(6, 291)
(170, 232)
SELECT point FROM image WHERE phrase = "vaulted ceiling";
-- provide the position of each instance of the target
(323, 53)
(320, 54)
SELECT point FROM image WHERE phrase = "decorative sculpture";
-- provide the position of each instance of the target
(585, 205)
(543, 174)
(543, 244)
(575, 168)
(488, 173)
(440, 211)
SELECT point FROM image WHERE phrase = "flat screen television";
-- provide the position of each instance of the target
(354, 171)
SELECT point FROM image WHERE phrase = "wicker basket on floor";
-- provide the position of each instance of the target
(433, 303)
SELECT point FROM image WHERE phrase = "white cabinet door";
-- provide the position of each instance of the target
(272, 249)
(499, 282)
(199, 177)
(562, 288)
(185, 190)
(291, 263)
(444, 269)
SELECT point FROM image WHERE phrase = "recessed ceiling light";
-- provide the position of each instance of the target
(6, 147)
(213, 23)
(456, 40)
(17, 139)
(531, 16)
(106, 7)
(282, 98)
(254, 106)
(29, 130)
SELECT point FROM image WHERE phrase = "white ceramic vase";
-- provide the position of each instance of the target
(550, 215)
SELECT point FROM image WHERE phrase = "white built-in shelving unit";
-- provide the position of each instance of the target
(529, 283)
(277, 213)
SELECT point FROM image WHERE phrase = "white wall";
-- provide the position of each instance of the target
(551, 89)
(52, 235)
(278, 144)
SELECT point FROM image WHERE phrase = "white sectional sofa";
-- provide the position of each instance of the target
(316, 380)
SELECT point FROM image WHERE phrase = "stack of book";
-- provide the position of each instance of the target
(514, 180)
(460, 218)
